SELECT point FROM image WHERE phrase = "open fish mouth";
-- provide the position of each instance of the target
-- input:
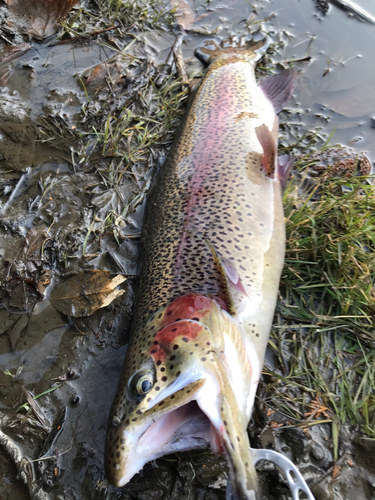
(185, 428)
(166, 428)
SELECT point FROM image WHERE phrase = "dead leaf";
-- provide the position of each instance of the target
(40, 16)
(336, 471)
(100, 73)
(33, 242)
(7, 320)
(183, 13)
(86, 292)
(10, 52)
(44, 280)
(275, 425)
(38, 411)
(15, 332)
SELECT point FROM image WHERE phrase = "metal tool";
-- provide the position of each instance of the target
(296, 482)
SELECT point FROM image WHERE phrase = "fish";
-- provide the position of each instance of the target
(212, 253)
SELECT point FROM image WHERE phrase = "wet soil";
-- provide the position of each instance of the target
(61, 212)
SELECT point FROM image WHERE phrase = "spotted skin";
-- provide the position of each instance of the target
(212, 254)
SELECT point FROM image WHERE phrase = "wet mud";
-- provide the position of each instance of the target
(84, 126)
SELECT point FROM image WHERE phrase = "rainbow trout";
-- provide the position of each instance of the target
(213, 250)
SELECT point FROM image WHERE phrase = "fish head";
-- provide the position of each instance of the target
(180, 398)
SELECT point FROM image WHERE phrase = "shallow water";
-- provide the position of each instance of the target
(83, 357)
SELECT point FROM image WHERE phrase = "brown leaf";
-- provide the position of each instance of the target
(44, 280)
(38, 411)
(11, 52)
(184, 14)
(34, 242)
(100, 73)
(41, 16)
(86, 292)
(336, 471)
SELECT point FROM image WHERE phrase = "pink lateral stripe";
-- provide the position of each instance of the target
(205, 146)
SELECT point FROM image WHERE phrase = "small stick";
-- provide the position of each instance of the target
(169, 61)
(77, 38)
(180, 63)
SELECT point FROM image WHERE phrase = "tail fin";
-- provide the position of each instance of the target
(278, 88)
(250, 49)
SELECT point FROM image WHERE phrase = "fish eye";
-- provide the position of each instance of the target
(144, 384)
(141, 382)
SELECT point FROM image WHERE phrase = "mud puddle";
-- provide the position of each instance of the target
(80, 141)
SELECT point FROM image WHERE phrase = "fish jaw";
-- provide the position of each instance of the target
(139, 440)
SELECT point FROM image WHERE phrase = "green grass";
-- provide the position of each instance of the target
(117, 16)
(130, 141)
(324, 337)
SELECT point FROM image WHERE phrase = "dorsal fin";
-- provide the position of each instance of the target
(278, 88)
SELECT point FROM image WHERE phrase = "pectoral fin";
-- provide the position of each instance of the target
(235, 293)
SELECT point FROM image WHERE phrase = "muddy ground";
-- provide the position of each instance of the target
(84, 126)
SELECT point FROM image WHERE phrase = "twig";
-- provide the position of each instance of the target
(180, 63)
(302, 59)
(170, 59)
(77, 38)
